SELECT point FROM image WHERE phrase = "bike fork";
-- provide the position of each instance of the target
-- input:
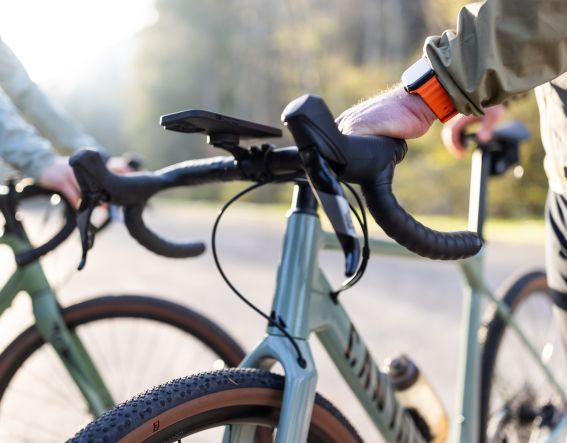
(299, 390)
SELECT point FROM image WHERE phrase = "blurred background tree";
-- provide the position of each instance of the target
(248, 58)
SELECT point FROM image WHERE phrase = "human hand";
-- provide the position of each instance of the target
(451, 134)
(59, 176)
(395, 113)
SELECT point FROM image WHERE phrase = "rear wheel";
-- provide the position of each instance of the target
(517, 403)
(199, 408)
(135, 342)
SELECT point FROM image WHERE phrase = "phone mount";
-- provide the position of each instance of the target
(222, 131)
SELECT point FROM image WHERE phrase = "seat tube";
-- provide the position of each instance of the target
(468, 391)
(480, 172)
(466, 429)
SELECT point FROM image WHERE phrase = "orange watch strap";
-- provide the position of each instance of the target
(435, 96)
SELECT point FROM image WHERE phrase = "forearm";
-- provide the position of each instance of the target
(501, 48)
(51, 121)
(20, 145)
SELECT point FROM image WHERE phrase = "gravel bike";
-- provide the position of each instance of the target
(76, 362)
(251, 404)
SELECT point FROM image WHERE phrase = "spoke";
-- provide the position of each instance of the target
(34, 425)
(117, 355)
(88, 337)
(137, 358)
(52, 379)
(129, 353)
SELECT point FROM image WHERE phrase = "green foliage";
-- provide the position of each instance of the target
(249, 58)
(524, 196)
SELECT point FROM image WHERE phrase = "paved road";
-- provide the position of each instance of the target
(400, 305)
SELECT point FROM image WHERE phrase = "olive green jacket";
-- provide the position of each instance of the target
(31, 125)
(505, 47)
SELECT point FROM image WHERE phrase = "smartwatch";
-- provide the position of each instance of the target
(420, 79)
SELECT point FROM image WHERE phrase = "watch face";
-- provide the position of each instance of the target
(417, 74)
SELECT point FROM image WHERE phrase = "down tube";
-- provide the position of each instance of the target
(351, 356)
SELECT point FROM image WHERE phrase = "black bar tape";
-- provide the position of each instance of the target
(135, 224)
(26, 257)
(407, 231)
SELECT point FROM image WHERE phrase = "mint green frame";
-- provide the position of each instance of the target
(302, 300)
(49, 321)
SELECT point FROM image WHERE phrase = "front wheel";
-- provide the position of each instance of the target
(518, 405)
(134, 341)
(199, 408)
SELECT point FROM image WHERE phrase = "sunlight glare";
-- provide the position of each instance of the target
(51, 36)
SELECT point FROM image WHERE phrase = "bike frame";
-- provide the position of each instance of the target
(303, 303)
(49, 321)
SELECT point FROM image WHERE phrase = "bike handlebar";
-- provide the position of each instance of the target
(367, 161)
(9, 204)
(25, 257)
(133, 190)
(188, 174)
(370, 162)
(409, 232)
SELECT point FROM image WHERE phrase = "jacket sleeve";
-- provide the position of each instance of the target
(500, 48)
(51, 121)
(20, 144)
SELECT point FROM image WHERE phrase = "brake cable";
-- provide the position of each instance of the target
(271, 320)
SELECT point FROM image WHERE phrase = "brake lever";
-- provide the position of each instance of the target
(332, 198)
(93, 197)
(87, 229)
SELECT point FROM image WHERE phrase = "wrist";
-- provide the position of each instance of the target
(42, 161)
(420, 80)
(403, 115)
(417, 106)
